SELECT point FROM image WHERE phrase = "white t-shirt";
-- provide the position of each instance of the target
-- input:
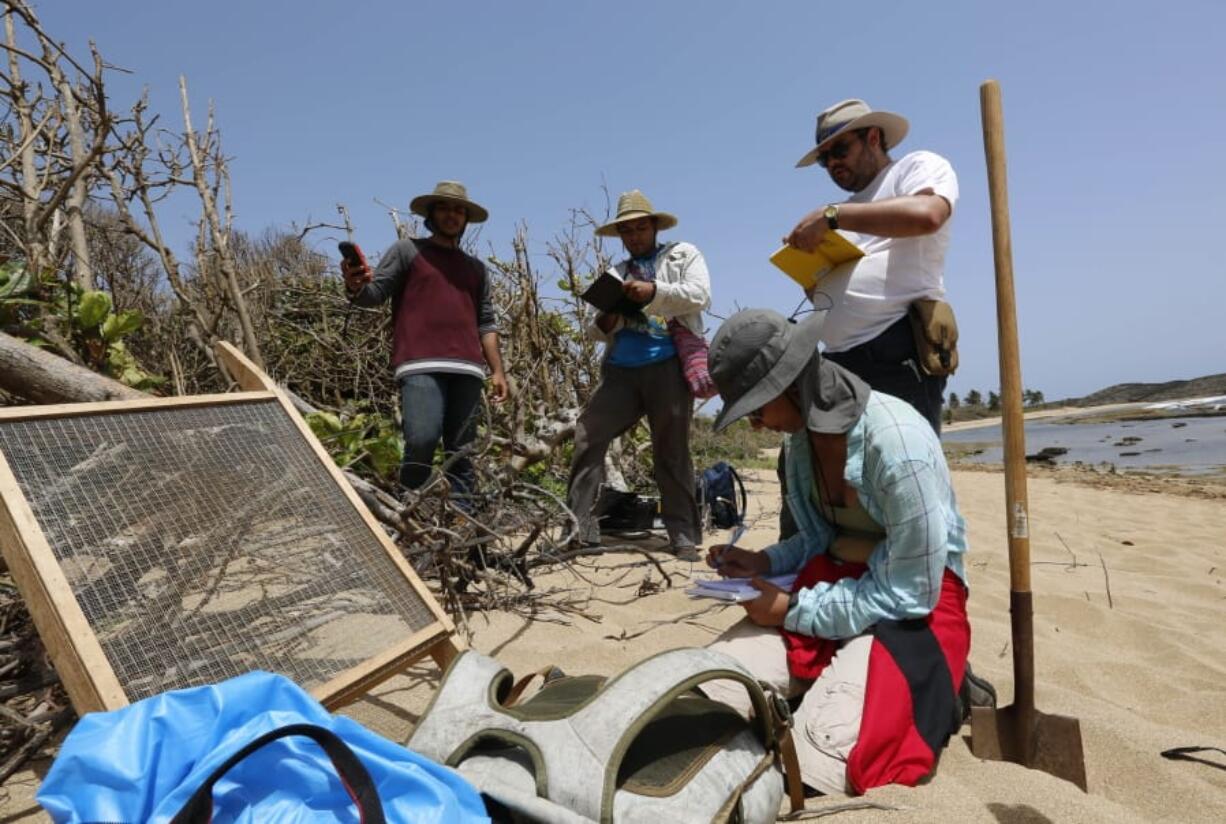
(865, 296)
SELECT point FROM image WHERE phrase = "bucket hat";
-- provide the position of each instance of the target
(633, 205)
(451, 191)
(758, 353)
(849, 115)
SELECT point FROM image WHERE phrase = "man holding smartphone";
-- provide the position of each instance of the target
(444, 334)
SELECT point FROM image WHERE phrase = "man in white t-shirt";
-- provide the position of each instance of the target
(898, 214)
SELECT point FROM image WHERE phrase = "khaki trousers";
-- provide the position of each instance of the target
(827, 723)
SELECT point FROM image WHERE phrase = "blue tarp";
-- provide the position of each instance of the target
(143, 762)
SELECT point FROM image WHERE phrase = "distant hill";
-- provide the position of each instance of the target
(1207, 386)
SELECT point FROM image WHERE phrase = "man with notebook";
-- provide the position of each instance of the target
(898, 214)
(667, 288)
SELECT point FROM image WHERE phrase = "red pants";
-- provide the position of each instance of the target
(914, 671)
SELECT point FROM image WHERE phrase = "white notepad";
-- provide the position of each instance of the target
(736, 589)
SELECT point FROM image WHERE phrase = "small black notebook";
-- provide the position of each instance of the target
(606, 294)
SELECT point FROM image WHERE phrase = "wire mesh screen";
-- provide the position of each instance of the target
(205, 542)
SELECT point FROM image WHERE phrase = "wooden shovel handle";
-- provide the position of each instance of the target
(1018, 513)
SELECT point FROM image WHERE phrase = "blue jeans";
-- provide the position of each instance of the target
(437, 405)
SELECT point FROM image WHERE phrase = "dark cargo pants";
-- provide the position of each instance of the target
(659, 391)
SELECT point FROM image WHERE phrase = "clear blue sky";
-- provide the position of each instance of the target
(1114, 111)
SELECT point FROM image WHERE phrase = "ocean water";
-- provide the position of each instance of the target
(1185, 446)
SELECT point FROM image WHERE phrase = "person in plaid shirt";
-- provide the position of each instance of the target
(874, 632)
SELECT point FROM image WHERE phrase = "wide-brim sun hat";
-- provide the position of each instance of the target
(633, 205)
(849, 115)
(755, 355)
(451, 191)
(758, 353)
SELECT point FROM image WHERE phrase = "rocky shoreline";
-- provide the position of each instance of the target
(1107, 476)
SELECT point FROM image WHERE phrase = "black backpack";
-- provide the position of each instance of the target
(717, 495)
(617, 510)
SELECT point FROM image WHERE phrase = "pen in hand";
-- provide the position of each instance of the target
(736, 536)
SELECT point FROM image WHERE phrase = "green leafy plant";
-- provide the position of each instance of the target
(30, 305)
(99, 331)
(360, 438)
(17, 285)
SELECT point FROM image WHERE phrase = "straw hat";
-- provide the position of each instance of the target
(849, 115)
(451, 191)
(758, 353)
(633, 205)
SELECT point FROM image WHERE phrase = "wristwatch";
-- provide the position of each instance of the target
(831, 213)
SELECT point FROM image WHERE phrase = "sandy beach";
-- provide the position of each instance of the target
(1129, 602)
(1130, 593)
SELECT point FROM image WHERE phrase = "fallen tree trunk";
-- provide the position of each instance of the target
(30, 373)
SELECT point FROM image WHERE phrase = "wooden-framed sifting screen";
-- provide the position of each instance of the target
(173, 542)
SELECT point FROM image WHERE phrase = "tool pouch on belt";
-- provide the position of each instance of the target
(936, 336)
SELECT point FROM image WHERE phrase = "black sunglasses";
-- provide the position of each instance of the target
(836, 152)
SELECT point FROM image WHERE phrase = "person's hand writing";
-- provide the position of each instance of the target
(639, 291)
(355, 276)
(734, 562)
(770, 608)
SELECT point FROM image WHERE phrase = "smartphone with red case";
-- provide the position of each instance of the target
(352, 253)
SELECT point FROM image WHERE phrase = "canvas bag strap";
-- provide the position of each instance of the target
(625, 705)
(354, 776)
(781, 717)
(739, 484)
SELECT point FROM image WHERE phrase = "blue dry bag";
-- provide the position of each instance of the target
(252, 749)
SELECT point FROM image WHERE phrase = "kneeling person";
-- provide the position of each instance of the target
(874, 633)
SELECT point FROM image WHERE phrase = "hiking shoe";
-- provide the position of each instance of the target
(976, 692)
(686, 553)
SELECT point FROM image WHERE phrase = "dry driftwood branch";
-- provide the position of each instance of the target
(40, 377)
(656, 624)
(1106, 582)
(812, 813)
(55, 142)
(198, 148)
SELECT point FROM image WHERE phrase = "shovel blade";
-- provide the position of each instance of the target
(1050, 743)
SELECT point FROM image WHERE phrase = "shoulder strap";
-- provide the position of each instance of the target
(576, 755)
(738, 483)
(354, 777)
(609, 724)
